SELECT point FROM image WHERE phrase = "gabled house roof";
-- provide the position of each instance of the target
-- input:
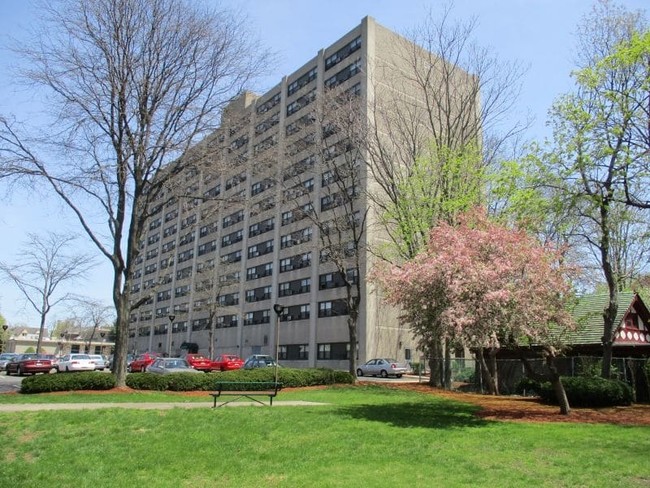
(631, 323)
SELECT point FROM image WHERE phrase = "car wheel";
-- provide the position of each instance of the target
(384, 373)
(359, 372)
(399, 375)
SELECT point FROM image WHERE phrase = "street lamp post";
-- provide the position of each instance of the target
(278, 311)
(169, 335)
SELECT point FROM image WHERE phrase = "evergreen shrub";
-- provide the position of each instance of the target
(584, 391)
(86, 380)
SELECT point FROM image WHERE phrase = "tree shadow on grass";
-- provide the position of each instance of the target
(432, 415)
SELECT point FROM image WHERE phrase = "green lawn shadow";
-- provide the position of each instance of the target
(431, 415)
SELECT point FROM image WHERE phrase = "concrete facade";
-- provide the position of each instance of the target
(251, 239)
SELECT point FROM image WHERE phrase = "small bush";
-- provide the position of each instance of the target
(585, 391)
(89, 380)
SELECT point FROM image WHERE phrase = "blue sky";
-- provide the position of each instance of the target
(537, 33)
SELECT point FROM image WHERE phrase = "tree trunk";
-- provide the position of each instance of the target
(553, 377)
(609, 315)
(558, 387)
(212, 341)
(41, 332)
(121, 338)
(435, 364)
(487, 376)
(447, 382)
(352, 330)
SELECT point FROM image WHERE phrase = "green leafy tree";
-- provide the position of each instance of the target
(428, 158)
(595, 165)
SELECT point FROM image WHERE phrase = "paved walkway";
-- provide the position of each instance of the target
(32, 407)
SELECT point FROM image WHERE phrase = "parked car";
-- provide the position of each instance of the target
(100, 362)
(140, 363)
(383, 367)
(227, 362)
(5, 357)
(29, 364)
(109, 362)
(76, 362)
(170, 365)
(199, 362)
(259, 361)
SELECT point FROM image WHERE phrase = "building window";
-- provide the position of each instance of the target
(294, 287)
(335, 351)
(232, 238)
(305, 79)
(295, 238)
(344, 75)
(261, 227)
(301, 102)
(232, 219)
(332, 308)
(342, 53)
(269, 104)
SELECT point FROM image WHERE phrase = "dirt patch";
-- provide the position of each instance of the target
(524, 409)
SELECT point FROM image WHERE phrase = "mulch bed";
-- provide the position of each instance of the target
(525, 409)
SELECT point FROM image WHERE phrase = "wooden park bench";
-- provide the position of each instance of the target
(246, 389)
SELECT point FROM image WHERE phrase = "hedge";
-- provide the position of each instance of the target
(88, 380)
(583, 391)
(289, 377)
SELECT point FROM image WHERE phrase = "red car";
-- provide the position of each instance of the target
(140, 363)
(199, 362)
(30, 364)
(227, 362)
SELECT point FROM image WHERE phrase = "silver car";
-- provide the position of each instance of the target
(170, 365)
(6, 357)
(383, 367)
(100, 362)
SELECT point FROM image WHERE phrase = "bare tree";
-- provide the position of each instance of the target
(209, 296)
(41, 268)
(133, 84)
(334, 132)
(437, 121)
(94, 315)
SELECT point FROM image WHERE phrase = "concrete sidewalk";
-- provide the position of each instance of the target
(33, 407)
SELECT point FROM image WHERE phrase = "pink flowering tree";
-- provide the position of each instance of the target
(485, 286)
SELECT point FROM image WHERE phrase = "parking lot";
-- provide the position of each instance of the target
(9, 383)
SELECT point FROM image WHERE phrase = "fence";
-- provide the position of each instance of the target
(466, 373)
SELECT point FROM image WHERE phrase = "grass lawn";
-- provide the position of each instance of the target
(366, 436)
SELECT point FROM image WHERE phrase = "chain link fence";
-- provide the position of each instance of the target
(466, 374)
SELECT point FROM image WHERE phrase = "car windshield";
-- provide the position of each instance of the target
(176, 364)
(79, 356)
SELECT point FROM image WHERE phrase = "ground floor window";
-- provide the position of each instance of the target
(334, 350)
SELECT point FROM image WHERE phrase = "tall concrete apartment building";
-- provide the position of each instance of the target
(258, 249)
